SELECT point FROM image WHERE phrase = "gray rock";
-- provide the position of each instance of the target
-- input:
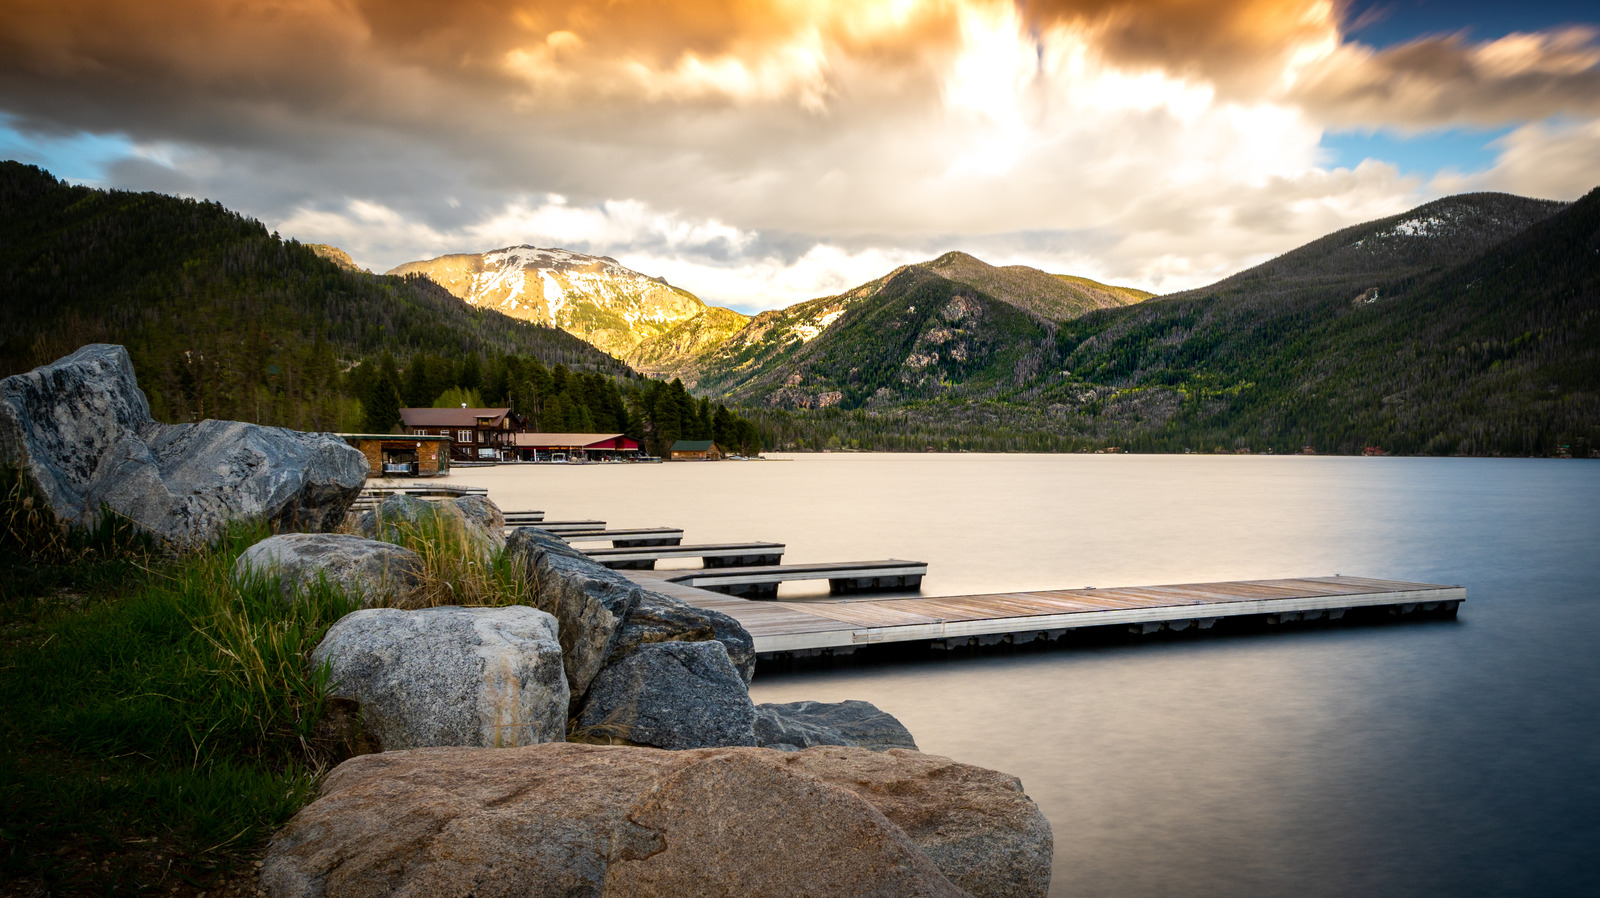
(483, 514)
(978, 825)
(477, 519)
(488, 677)
(853, 723)
(80, 430)
(672, 695)
(585, 820)
(370, 572)
(590, 600)
(526, 544)
(659, 618)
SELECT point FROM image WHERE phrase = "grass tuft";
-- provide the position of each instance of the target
(460, 567)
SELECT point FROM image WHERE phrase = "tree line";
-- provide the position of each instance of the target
(552, 399)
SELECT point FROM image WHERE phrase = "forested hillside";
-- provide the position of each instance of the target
(1429, 332)
(222, 318)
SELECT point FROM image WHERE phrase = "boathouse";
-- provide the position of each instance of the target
(476, 434)
(573, 446)
(694, 450)
(402, 456)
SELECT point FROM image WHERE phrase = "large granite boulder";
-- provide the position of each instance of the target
(659, 618)
(797, 725)
(976, 824)
(80, 431)
(590, 601)
(473, 519)
(368, 571)
(672, 695)
(489, 677)
(584, 820)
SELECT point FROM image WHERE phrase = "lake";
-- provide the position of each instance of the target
(1432, 758)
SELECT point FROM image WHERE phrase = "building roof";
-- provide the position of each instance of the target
(692, 445)
(390, 437)
(451, 417)
(560, 440)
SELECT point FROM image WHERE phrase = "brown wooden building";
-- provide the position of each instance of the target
(476, 434)
(694, 450)
(402, 456)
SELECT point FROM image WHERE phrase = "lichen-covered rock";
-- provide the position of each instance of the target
(672, 695)
(368, 571)
(474, 519)
(80, 430)
(483, 514)
(853, 723)
(977, 825)
(659, 618)
(740, 824)
(488, 677)
(585, 820)
(590, 601)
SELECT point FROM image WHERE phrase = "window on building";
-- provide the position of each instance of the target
(463, 436)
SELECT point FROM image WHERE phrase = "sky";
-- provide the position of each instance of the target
(763, 152)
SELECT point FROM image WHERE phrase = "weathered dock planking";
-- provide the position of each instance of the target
(802, 628)
(560, 528)
(842, 576)
(629, 538)
(715, 555)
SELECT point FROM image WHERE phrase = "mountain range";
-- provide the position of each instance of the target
(666, 331)
(222, 318)
(592, 297)
(1468, 325)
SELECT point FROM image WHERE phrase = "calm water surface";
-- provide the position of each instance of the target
(1444, 758)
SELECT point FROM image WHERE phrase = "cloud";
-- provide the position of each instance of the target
(762, 151)
(1446, 81)
(1547, 159)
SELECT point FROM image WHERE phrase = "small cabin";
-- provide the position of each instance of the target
(402, 456)
(694, 450)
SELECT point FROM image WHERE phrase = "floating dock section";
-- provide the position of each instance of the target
(812, 627)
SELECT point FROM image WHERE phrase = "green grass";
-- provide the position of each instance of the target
(161, 718)
(174, 708)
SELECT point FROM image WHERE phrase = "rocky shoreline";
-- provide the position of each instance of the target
(478, 786)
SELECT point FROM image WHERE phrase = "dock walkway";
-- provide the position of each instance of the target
(842, 576)
(841, 626)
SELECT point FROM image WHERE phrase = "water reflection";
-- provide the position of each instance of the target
(1430, 759)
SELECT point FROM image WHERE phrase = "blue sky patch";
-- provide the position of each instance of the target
(1382, 23)
(1461, 149)
(80, 158)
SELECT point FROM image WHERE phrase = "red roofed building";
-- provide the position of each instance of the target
(573, 446)
(476, 434)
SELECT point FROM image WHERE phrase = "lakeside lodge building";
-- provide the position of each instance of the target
(476, 434)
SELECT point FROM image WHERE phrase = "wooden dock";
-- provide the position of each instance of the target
(841, 626)
(843, 577)
(561, 528)
(627, 539)
(715, 555)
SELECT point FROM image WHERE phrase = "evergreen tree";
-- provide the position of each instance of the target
(381, 405)
(418, 389)
(471, 376)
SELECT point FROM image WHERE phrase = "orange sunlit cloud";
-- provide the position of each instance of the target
(780, 149)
